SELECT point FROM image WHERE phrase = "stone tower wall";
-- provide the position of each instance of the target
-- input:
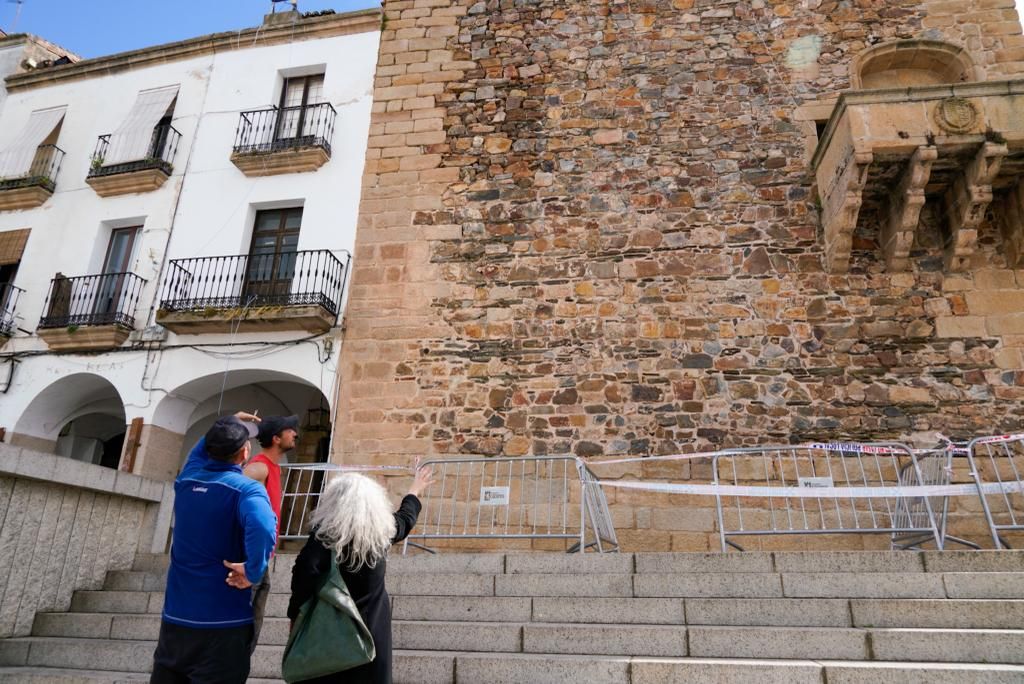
(589, 227)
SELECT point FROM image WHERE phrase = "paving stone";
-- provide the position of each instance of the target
(124, 580)
(974, 561)
(84, 625)
(448, 563)
(540, 669)
(665, 563)
(949, 645)
(572, 564)
(921, 673)
(13, 651)
(440, 585)
(422, 667)
(458, 636)
(563, 585)
(623, 611)
(88, 654)
(938, 613)
(862, 585)
(848, 561)
(770, 612)
(468, 608)
(266, 662)
(643, 640)
(724, 671)
(995, 585)
(110, 602)
(778, 642)
(726, 585)
(135, 627)
(28, 675)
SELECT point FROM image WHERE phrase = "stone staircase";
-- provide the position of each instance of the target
(816, 617)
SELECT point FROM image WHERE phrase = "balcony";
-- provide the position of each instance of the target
(9, 296)
(120, 170)
(892, 157)
(283, 140)
(90, 312)
(259, 292)
(36, 186)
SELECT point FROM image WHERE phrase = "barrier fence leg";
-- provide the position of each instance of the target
(996, 541)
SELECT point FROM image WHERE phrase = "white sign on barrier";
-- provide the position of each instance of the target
(494, 496)
(815, 481)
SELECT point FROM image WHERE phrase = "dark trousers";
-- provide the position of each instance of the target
(260, 594)
(201, 656)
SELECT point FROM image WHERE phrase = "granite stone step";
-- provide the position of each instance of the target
(751, 561)
(943, 613)
(115, 601)
(459, 667)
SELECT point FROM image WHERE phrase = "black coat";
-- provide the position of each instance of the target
(366, 586)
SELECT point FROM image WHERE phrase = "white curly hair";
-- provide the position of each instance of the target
(355, 520)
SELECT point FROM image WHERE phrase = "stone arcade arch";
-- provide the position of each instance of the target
(80, 416)
(190, 409)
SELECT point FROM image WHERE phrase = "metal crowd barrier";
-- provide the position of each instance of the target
(997, 467)
(301, 485)
(548, 497)
(823, 489)
(936, 468)
(543, 497)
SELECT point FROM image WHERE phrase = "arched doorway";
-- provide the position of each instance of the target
(80, 416)
(191, 408)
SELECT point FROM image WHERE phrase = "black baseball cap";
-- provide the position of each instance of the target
(228, 435)
(272, 426)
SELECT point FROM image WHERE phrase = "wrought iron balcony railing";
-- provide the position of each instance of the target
(105, 299)
(42, 173)
(159, 154)
(314, 278)
(8, 306)
(277, 129)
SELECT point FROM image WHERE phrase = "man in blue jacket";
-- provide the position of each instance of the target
(222, 542)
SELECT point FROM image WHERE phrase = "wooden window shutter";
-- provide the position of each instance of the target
(12, 244)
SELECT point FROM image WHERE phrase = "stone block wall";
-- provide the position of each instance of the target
(63, 526)
(590, 228)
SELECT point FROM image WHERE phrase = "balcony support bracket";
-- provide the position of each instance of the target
(967, 200)
(841, 203)
(1012, 224)
(905, 208)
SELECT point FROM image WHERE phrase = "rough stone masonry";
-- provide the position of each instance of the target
(590, 227)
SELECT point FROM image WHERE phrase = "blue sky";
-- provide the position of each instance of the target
(102, 27)
(93, 28)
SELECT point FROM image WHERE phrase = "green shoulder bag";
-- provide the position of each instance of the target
(329, 634)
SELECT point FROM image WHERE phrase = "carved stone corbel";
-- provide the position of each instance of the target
(840, 208)
(966, 203)
(905, 206)
(1011, 222)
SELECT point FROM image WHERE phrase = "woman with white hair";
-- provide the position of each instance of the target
(354, 520)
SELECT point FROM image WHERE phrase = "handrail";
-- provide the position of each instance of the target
(159, 155)
(43, 171)
(275, 129)
(300, 278)
(102, 299)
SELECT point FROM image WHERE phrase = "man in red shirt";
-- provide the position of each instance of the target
(277, 435)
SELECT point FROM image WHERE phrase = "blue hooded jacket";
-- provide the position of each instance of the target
(219, 515)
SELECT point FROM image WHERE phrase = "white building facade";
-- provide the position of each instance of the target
(176, 226)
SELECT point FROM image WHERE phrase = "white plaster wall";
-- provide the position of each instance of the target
(205, 209)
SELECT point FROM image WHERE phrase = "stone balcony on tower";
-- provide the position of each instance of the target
(953, 151)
